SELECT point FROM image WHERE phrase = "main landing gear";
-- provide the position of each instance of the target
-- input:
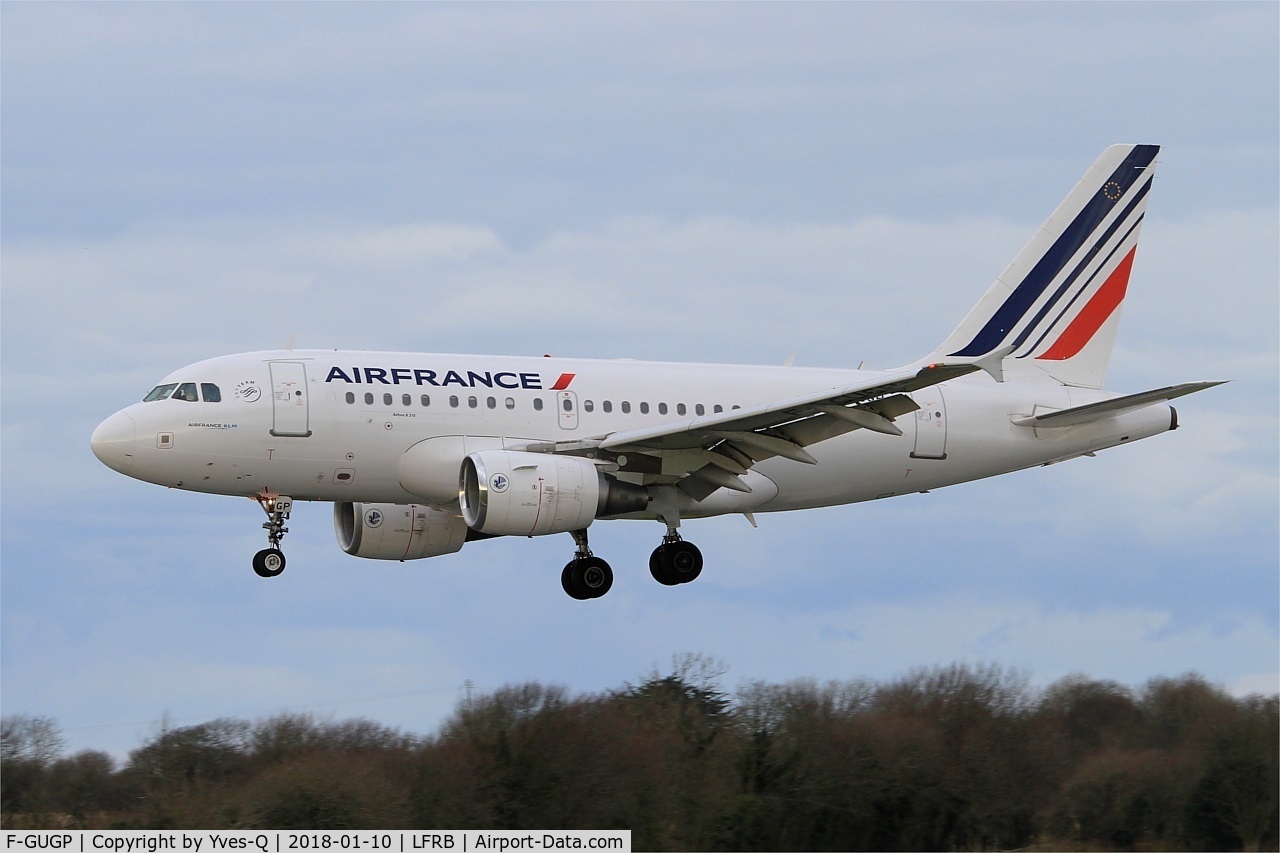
(673, 562)
(586, 576)
(269, 562)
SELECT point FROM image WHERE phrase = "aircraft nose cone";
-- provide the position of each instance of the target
(113, 442)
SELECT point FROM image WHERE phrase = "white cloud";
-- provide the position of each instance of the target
(712, 289)
(1195, 484)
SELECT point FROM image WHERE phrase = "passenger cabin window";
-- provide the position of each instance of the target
(351, 397)
(210, 392)
(160, 392)
(537, 404)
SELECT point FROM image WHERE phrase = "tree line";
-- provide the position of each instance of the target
(950, 758)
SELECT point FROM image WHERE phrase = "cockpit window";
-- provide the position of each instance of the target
(187, 391)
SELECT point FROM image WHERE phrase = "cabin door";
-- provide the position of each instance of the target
(289, 399)
(931, 424)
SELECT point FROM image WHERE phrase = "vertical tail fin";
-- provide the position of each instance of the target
(1056, 306)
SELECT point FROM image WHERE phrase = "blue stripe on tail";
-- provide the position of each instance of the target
(1075, 274)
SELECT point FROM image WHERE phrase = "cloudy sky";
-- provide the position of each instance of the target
(837, 182)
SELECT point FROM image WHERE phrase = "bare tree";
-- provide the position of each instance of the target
(24, 737)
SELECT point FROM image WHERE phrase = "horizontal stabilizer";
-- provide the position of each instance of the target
(1110, 408)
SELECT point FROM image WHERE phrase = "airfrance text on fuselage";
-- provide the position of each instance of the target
(463, 379)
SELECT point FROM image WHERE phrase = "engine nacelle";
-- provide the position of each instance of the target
(429, 469)
(515, 493)
(397, 531)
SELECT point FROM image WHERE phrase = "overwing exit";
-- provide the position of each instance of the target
(421, 453)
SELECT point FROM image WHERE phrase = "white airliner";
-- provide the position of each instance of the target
(421, 453)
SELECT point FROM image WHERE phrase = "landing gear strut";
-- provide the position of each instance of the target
(586, 576)
(269, 562)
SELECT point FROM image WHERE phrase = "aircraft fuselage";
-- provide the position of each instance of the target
(335, 426)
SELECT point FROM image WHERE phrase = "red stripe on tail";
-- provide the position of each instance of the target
(1093, 315)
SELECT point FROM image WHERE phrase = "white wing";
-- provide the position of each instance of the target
(705, 453)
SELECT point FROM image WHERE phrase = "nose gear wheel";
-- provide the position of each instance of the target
(268, 562)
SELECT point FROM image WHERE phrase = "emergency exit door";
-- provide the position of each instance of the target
(567, 403)
(289, 399)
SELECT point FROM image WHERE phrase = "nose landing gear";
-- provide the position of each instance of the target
(269, 562)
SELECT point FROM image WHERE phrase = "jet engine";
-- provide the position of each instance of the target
(516, 493)
(397, 531)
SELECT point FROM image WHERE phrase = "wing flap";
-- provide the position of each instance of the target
(877, 416)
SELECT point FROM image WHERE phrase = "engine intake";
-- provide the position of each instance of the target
(397, 531)
(516, 493)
